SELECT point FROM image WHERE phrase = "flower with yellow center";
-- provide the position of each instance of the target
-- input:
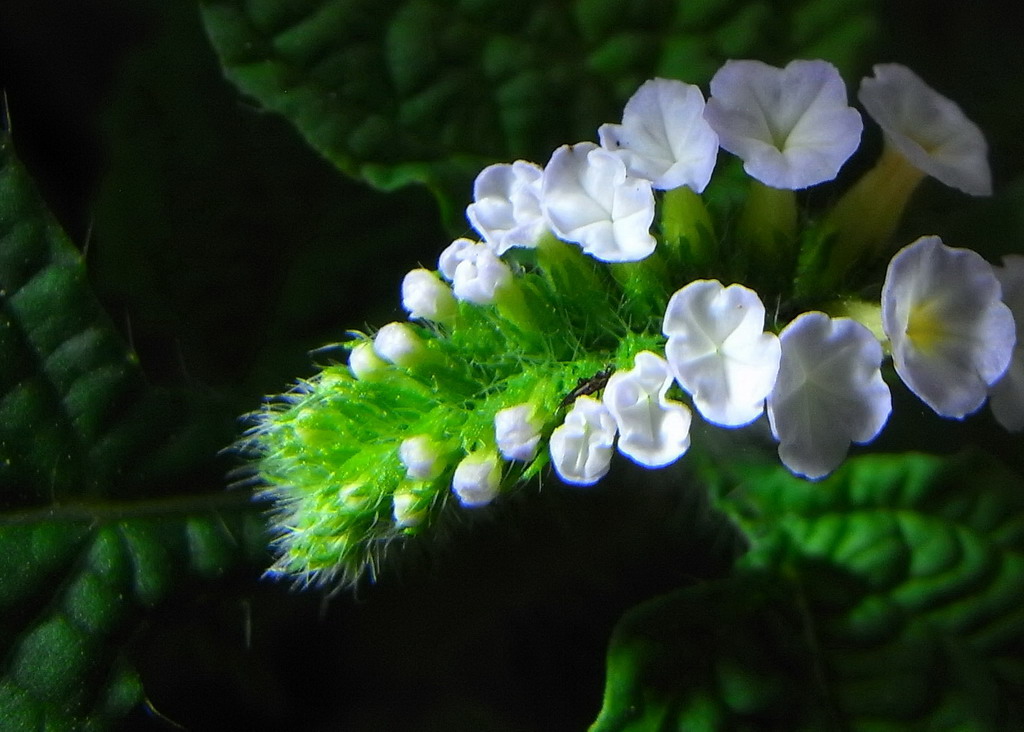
(952, 336)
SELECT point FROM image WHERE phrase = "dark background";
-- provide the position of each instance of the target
(248, 252)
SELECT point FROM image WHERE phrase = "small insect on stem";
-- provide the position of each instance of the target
(586, 387)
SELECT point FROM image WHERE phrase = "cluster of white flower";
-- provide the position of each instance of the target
(945, 313)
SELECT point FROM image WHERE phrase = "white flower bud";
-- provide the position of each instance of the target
(477, 478)
(653, 431)
(517, 432)
(506, 205)
(427, 297)
(421, 457)
(480, 276)
(363, 361)
(408, 508)
(452, 255)
(719, 352)
(581, 447)
(591, 200)
(399, 344)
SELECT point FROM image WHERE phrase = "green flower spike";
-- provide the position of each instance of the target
(426, 419)
(598, 300)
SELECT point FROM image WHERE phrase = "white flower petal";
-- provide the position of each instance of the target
(589, 199)
(952, 337)
(1007, 396)
(664, 136)
(425, 296)
(506, 205)
(480, 276)
(719, 352)
(930, 130)
(653, 431)
(453, 254)
(517, 432)
(581, 447)
(792, 127)
(829, 393)
(477, 478)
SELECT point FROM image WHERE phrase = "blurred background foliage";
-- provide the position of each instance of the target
(221, 246)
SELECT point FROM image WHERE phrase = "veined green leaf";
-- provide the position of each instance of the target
(890, 596)
(80, 434)
(429, 91)
(66, 378)
(73, 584)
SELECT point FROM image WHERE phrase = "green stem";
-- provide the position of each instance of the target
(512, 305)
(566, 267)
(688, 235)
(645, 285)
(867, 313)
(864, 219)
(767, 232)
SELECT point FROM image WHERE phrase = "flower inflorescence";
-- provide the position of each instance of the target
(591, 316)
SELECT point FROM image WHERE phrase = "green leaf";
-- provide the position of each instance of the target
(66, 378)
(890, 596)
(77, 417)
(80, 432)
(429, 91)
(72, 585)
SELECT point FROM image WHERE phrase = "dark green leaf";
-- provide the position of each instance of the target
(79, 584)
(67, 379)
(428, 91)
(888, 596)
(80, 428)
(77, 417)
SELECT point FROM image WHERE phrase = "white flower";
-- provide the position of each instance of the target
(653, 431)
(475, 271)
(421, 457)
(506, 205)
(477, 478)
(1007, 396)
(480, 277)
(399, 344)
(664, 136)
(453, 254)
(425, 296)
(589, 199)
(719, 352)
(792, 127)
(581, 448)
(928, 129)
(364, 362)
(829, 393)
(517, 432)
(952, 337)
